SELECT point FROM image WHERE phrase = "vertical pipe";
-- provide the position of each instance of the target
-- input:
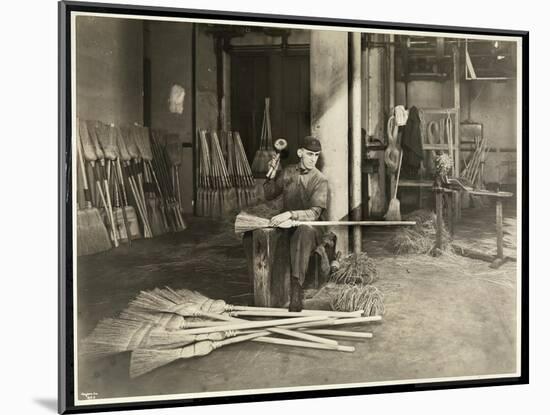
(355, 159)
(365, 120)
(329, 120)
(391, 92)
(456, 135)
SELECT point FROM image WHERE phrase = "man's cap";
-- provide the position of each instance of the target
(311, 143)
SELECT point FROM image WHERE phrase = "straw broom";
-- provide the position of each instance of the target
(101, 183)
(128, 210)
(159, 171)
(174, 151)
(229, 196)
(145, 360)
(188, 298)
(168, 185)
(126, 157)
(102, 140)
(91, 232)
(210, 206)
(157, 220)
(137, 167)
(116, 335)
(245, 222)
(246, 171)
(394, 209)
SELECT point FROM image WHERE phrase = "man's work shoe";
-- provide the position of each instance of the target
(296, 295)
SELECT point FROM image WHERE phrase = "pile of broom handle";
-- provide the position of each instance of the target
(472, 169)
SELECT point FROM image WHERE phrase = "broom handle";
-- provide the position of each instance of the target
(87, 196)
(329, 313)
(110, 206)
(256, 324)
(398, 174)
(102, 197)
(285, 313)
(124, 216)
(354, 223)
(335, 322)
(133, 187)
(308, 345)
(299, 335)
(350, 334)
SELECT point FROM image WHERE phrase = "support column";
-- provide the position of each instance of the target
(329, 120)
(355, 159)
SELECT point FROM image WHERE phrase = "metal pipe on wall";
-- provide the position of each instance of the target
(355, 159)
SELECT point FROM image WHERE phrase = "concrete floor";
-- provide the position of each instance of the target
(445, 317)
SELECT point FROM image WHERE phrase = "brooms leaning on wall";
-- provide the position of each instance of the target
(127, 185)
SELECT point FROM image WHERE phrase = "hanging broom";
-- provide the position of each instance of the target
(394, 209)
(92, 236)
(265, 153)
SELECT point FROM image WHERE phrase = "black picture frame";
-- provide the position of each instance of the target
(66, 392)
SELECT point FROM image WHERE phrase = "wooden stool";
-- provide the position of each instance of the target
(268, 257)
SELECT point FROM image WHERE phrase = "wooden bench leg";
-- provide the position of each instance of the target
(500, 259)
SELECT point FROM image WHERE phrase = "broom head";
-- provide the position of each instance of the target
(146, 360)
(394, 210)
(261, 160)
(245, 222)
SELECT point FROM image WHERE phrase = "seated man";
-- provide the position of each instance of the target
(304, 192)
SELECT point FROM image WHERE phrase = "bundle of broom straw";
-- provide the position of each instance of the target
(245, 184)
(146, 329)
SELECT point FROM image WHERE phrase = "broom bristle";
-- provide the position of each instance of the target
(92, 235)
(146, 360)
(86, 141)
(394, 211)
(358, 297)
(121, 140)
(114, 336)
(245, 222)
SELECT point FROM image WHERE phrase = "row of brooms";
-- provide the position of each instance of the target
(224, 183)
(126, 186)
(165, 325)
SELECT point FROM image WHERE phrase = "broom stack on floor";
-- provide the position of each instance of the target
(121, 173)
(165, 325)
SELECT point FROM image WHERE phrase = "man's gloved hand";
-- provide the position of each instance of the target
(280, 218)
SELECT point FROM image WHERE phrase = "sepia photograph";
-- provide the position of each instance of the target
(268, 207)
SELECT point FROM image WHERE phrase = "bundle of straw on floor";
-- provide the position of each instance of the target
(355, 269)
(418, 239)
(352, 297)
